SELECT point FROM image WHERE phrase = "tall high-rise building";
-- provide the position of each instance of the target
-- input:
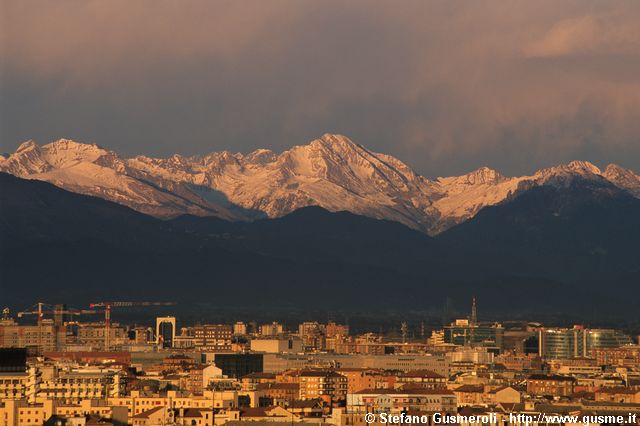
(563, 343)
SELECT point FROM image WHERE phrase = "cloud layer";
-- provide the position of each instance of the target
(446, 86)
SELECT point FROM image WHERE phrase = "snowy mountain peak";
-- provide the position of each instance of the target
(26, 160)
(92, 170)
(623, 178)
(27, 146)
(614, 170)
(564, 174)
(71, 147)
(261, 156)
(335, 140)
(66, 153)
(333, 143)
(483, 175)
(64, 143)
(583, 167)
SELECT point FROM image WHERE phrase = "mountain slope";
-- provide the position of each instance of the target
(580, 231)
(552, 243)
(623, 178)
(71, 248)
(313, 233)
(91, 170)
(332, 172)
(34, 212)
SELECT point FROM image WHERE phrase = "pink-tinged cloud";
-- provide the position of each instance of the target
(589, 34)
(444, 85)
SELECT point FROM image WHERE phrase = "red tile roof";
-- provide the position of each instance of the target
(146, 414)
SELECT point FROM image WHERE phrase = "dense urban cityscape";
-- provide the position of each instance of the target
(319, 213)
(57, 369)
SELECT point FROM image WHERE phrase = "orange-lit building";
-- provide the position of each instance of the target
(542, 384)
(327, 385)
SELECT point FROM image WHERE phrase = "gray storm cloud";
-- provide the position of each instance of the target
(446, 86)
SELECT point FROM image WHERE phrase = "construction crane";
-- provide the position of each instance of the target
(40, 309)
(56, 310)
(107, 306)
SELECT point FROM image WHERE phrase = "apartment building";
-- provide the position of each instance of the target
(212, 337)
(327, 385)
(423, 378)
(394, 401)
(21, 413)
(555, 385)
(37, 338)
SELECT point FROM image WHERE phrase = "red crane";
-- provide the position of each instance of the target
(107, 314)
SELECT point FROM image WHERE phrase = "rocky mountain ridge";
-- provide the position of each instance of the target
(332, 172)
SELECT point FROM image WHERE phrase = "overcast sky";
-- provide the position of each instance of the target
(446, 86)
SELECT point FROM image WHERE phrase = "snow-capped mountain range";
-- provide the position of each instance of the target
(331, 172)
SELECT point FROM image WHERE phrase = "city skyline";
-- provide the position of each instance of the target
(241, 372)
